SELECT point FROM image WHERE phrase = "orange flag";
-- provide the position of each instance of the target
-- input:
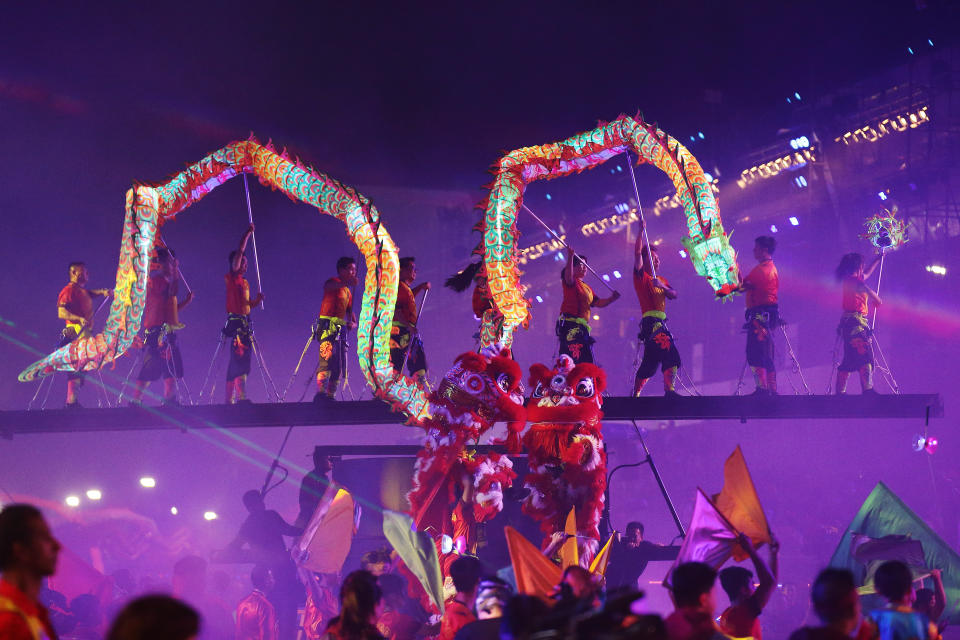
(740, 505)
(535, 574)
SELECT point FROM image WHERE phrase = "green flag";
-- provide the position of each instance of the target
(884, 514)
(418, 552)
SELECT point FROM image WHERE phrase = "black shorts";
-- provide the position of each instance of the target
(403, 339)
(760, 324)
(659, 348)
(857, 342)
(161, 356)
(239, 331)
(68, 335)
(575, 339)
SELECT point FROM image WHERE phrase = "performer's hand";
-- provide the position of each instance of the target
(250, 228)
(615, 296)
(744, 541)
(426, 285)
(259, 299)
(569, 252)
(189, 298)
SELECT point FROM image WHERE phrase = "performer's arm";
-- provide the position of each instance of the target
(668, 291)
(557, 538)
(183, 303)
(602, 302)
(420, 287)
(766, 574)
(568, 268)
(871, 294)
(100, 292)
(939, 596)
(235, 265)
(642, 260)
(868, 271)
(64, 314)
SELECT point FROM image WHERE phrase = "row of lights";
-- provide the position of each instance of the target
(147, 482)
(937, 269)
(791, 162)
(887, 126)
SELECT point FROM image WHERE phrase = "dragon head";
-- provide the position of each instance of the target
(567, 392)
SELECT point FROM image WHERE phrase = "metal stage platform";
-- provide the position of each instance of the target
(374, 412)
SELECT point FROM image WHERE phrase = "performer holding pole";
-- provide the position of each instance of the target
(652, 293)
(573, 325)
(336, 315)
(762, 315)
(75, 308)
(405, 344)
(161, 319)
(854, 329)
(238, 328)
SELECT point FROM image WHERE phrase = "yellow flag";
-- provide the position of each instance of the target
(569, 555)
(599, 564)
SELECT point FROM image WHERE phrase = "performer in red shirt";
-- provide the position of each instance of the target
(652, 293)
(28, 554)
(742, 618)
(238, 327)
(161, 318)
(573, 325)
(458, 610)
(404, 336)
(761, 287)
(75, 308)
(336, 314)
(256, 617)
(854, 327)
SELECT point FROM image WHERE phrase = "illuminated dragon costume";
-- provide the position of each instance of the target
(454, 488)
(567, 463)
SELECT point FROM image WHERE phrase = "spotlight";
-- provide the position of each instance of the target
(209, 515)
(174, 511)
(708, 177)
(539, 299)
(548, 197)
(796, 95)
(910, 50)
(72, 501)
(596, 317)
(794, 221)
(606, 277)
(617, 274)
(928, 444)
(700, 135)
(94, 494)
(147, 482)
(773, 228)
(882, 195)
(683, 254)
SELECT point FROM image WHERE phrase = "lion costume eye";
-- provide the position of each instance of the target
(584, 388)
(558, 382)
(538, 390)
(503, 381)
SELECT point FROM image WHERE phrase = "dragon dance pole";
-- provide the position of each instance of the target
(560, 240)
(256, 260)
(636, 191)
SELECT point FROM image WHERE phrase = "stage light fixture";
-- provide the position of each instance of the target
(773, 228)
(147, 482)
(617, 274)
(881, 195)
(700, 135)
(548, 197)
(796, 95)
(72, 501)
(606, 277)
(683, 254)
(209, 515)
(692, 139)
(937, 269)
(174, 511)
(794, 221)
(94, 494)
(596, 317)
(930, 42)
(539, 299)
(800, 181)
(910, 50)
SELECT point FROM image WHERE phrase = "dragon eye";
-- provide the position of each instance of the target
(538, 390)
(584, 388)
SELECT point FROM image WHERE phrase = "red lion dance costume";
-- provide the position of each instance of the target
(453, 487)
(568, 466)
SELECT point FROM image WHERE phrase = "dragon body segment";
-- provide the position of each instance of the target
(706, 242)
(149, 207)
